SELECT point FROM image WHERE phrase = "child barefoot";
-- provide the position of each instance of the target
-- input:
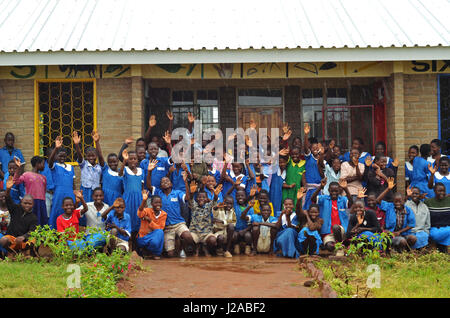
(119, 225)
(224, 219)
(309, 237)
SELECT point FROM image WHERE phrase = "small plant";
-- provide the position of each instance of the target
(369, 248)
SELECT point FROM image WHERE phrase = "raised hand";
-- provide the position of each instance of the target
(306, 129)
(9, 182)
(167, 137)
(78, 194)
(409, 191)
(152, 121)
(396, 162)
(184, 167)
(285, 128)
(238, 181)
(76, 138)
(323, 182)
(193, 187)
(360, 218)
(252, 203)
(284, 152)
(432, 170)
(252, 124)
(152, 165)
(191, 118)
(129, 140)
(169, 115)
(185, 175)
(125, 155)
(287, 135)
(343, 183)
(300, 193)
(95, 136)
(58, 142)
(218, 189)
(391, 183)
(116, 203)
(253, 190)
(321, 149)
(368, 161)
(17, 162)
(362, 193)
(144, 195)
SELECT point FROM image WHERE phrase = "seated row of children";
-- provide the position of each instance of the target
(151, 204)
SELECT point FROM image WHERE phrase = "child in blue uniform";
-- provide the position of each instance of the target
(63, 178)
(264, 230)
(357, 143)
(133, 179)
(162, 168)
(413, 152)
(314, 167)
(236, 172)
(286, 243)
(309, 238)
(420, 173)
(50, 184)
(18, 190)
(112, 183)
(442, 176)
(242, 230)
(277, 184)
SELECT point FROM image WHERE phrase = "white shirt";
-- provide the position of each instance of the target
(94, 217)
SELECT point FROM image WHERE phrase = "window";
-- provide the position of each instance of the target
(312, 104)
(444, 113)
(260, 97)
(204, 104)
(65, 107)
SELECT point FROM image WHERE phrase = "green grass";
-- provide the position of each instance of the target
(407, 275)
(32, 280)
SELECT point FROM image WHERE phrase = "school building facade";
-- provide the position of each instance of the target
(399, 94)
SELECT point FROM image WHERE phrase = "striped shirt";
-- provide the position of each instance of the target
(439, 211)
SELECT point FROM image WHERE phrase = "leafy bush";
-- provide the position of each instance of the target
(369, 249)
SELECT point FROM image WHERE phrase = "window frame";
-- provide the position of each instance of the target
(36, 106)
(443, 142)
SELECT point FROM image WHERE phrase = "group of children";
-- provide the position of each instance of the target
(307, 196)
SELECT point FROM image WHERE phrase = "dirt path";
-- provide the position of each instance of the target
(218, 277)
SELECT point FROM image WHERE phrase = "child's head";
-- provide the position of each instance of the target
(380, 149)
(295, 154)
(61, 156)
(140, 152)
(228, 202)
(381, 161)
(336, 164)
(354, 153)
(435, 146)
(415, 194)
(12, 167)
(425, 150)
(399, 201)
(358, 208)
(313, 211)
(120, 208)
(9, 140)
(68, 205)
(358, 143)
(282, 162)
(372, 200)
(443, 165)
(297, 142)
(140, 142)
(27, 203)
(98, 195)
(439, 191)
(113, 161)
(334, 189)
(413, 152)
(241, 196)
(156, 203)
(314, 145)
(153, 149)
(336, 151)
(202, 198)
(237, 168)
(38, 163)
(91, 155)
(132, 159)
(263, 197)
(265, 211)
(165, 183)
(210, 182)
(288, 204)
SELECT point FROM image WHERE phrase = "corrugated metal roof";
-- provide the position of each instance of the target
(121, 25)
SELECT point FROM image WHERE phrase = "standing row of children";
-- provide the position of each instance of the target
(308, 196)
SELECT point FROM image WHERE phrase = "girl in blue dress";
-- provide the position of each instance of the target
(63, 178)
(413, 152)
(313, 167)
(442, 176)
(277, 184)
(133, 180)
(419, 178)
(286, 243)
(112, 183)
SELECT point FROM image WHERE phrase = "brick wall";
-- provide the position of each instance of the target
(17, 114)
(421, 109)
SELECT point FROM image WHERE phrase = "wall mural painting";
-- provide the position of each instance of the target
(64, 71)
(199, 71)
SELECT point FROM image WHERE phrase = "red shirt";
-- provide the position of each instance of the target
(381, 216)
(62, 224)
(335, 220)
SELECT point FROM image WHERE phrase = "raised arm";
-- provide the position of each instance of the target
(320, 162)
(106, 212)
(251, 203)
(169, 115)
(151, 124)
(124, 163)
(343, 185)
(431, 180)
(323, 183)
(391, 185)
(79, 196)
(306, 144)
(151, 166)
(76, 141)
(125, 145)
(18, 172)
(58, 144)
(96, 137)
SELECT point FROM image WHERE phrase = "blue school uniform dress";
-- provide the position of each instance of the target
(391, 218)
(216, 174)
(47, 173)
(240, 223)
(408, 171)
(227, 185)
(325, 207)
(90, 179)
(176, 178)
(276, 189)
(445, 180)
(112, 185)
(312, 177)
(302, 237)
(286, 240)
(6, 157)
(124, 224)
(17, 190)
(362, 157)
(171, 204)
(210, 195)
(420, 175)
(63, 176)
(132, 195)
(388, 162)
(161, 170)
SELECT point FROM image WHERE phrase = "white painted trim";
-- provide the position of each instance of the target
(225, 56)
